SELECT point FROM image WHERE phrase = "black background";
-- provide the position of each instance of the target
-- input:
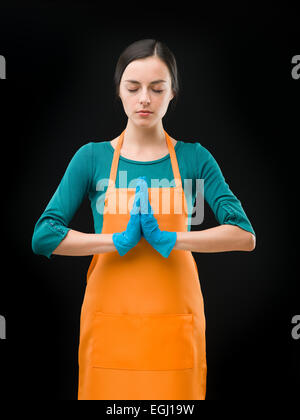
(238, 99)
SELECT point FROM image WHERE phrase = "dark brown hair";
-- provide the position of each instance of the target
(147, 48)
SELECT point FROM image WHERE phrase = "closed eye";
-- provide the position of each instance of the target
(154, 90)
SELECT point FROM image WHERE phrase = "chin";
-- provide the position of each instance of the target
(139, 122)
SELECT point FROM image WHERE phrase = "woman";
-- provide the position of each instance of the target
(142, 330)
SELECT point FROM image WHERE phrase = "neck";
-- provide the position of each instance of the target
(141, 138)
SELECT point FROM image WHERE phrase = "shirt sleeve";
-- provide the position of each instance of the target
(224, 204)
(53, 225)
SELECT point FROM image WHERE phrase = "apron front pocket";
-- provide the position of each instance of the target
(142, 341)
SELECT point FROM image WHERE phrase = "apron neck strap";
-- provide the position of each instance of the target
(115, 162)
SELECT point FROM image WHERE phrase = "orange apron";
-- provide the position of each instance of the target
(142, 327)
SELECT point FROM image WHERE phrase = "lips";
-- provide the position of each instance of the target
(144, 111)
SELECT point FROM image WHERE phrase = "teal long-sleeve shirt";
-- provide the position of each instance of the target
(91, 164)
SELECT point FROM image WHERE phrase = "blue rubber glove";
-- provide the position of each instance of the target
(161, 240)
(127, 239)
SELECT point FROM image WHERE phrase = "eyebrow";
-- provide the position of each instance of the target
(152, 83)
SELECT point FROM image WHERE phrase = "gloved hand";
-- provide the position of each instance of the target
(127, 239)
(161, 240)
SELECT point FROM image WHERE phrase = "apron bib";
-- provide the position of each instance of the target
(142, 326)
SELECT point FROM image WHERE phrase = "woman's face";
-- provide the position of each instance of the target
(146, 86)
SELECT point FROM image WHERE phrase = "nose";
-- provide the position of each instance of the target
(144, 98)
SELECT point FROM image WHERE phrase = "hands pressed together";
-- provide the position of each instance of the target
(143, 223)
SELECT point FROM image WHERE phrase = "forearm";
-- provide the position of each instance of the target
(81, 244)
(217, 239)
